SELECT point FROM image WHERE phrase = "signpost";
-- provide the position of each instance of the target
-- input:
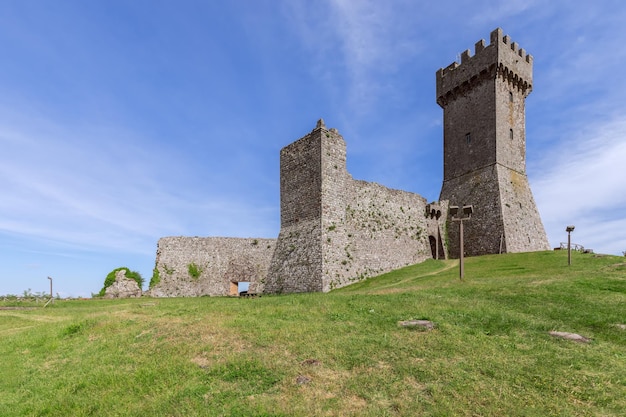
(459, 215)
(569, 230)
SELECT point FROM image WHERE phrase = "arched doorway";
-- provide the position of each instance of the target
(433, 246)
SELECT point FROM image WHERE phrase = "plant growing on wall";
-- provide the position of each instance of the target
(194, 270)
(156, 278)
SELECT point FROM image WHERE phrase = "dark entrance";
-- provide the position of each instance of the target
(433, 246)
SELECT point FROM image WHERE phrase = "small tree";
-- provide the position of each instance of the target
(110, 279)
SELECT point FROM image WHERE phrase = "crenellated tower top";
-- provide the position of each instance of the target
(502, 58)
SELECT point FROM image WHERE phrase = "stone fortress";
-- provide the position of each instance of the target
(336, 230)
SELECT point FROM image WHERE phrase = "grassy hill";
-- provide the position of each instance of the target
(341, 353)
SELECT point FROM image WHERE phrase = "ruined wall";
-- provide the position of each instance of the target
(361, 229)
(297, 261)
(219, 261)
(380, 230)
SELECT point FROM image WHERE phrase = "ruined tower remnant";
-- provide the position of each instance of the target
(336, 230)
(483, 101)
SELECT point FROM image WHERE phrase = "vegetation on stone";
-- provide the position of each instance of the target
(110, 278)
(156, 277)
(194, 270)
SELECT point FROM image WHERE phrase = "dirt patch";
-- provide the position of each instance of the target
(310, 362)
(201, 361)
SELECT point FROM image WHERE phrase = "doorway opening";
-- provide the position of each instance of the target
(436, 247)
(239, 288)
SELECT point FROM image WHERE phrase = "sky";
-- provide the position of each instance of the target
(125, 121)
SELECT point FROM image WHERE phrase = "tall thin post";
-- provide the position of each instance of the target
(458, 214)
(461, 266)
(50, 286)
(569, 230)
(569, 248)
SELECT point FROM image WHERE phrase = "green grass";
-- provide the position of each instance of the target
(490, 354)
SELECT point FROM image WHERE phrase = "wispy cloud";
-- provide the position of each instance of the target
(582, 184)
(97, 189)
(356, 42)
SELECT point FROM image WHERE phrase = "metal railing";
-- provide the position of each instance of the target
(575, 246)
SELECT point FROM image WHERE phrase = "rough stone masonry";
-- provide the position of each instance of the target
(336, 230)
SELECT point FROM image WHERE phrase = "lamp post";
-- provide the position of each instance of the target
(569, 230)
(459, 215)
(50, 287)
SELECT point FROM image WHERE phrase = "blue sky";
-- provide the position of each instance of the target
(125, 121)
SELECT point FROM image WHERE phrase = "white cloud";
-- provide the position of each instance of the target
(96, 188)
(583, 183)
(358, 46)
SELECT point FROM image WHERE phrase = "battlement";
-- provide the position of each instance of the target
(501, 57)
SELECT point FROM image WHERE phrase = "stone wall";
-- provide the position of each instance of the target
(336, 230)
(505, 217)
(196, 266)
(380, 230)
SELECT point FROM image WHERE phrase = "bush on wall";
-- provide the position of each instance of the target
(110, 279)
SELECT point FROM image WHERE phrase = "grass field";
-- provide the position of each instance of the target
(336, 354)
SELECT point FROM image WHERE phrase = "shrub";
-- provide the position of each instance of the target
(194, 270)
(110, 279)
(156, 278)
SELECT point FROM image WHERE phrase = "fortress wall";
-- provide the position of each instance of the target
(472, 114)
(523, 228)
(341, 230)
(297, 262)
(221, 260)
(381, 230)
(505, 216)
(483, 232)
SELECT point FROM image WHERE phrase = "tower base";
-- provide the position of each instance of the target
(505, 217)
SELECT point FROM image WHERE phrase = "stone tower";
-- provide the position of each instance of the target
(483, 101)
(312, 170)
(335, 230)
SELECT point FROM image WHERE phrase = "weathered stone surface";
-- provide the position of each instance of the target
(302, 380)
(570, 336)
(425, 324)
(336, 230)
(220, 262)
(122, 287)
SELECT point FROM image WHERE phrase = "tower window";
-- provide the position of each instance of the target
(468, 138)
(511, 134)
(511, 96)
